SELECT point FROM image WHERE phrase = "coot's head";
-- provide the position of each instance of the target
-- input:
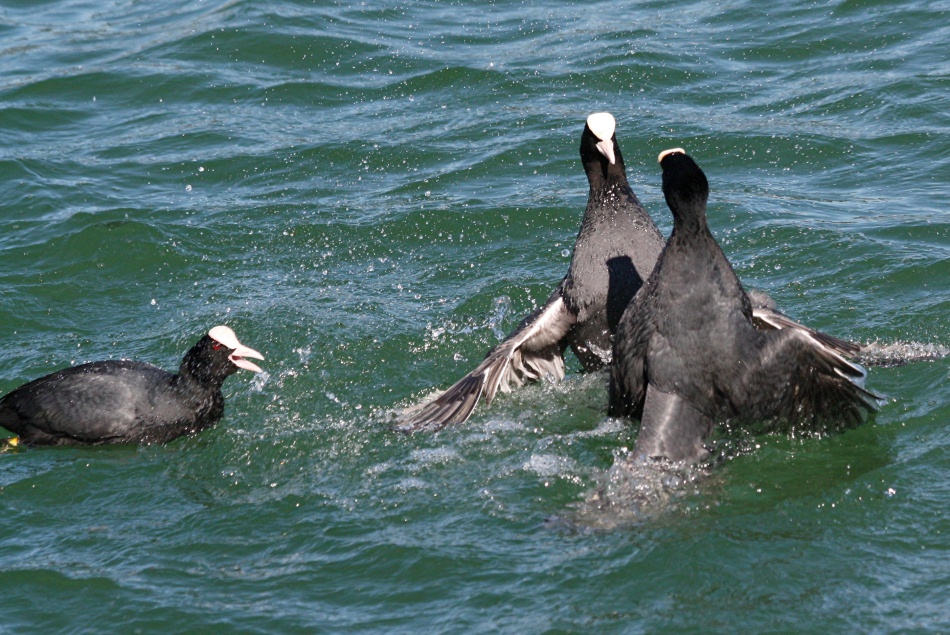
(599, 149)
(224, 339)
(219, 354)
(684, 185)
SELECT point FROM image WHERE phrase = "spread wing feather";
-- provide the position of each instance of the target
(822, 390)
(766, 318)
(533, 351)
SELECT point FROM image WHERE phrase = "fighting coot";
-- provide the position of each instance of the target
(614, 253)
(688, 353)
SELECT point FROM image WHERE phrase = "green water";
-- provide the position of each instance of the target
(372, 194)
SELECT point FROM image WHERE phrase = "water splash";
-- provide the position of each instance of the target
(636, 490)
(899, 353)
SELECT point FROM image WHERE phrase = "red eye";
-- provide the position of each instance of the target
(217, 346)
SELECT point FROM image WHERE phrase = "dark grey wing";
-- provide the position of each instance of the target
(72, 407)
(628, 367)
(806, 383)
(766, 316)
(671, 428)
(533, 351)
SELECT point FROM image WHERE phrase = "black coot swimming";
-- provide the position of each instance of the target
(126, 401)
(688, 353)
(614, 253)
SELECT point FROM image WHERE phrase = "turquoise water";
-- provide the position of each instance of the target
(372, 194)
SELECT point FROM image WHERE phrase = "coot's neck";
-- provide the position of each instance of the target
(689, 217)
(610, 193)
(600, 171)
(201, 376)
(198, 386)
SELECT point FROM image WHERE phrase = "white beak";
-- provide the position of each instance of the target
(237, 358)
(226, 336)
(606, 148)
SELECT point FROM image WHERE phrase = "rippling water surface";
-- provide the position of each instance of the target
(372, 194)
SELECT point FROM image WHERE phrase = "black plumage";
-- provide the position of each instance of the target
(689, 354)
(615, 250)
(126, 401)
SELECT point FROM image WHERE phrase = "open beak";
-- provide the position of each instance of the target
(226, 336)
(606, 148)
(238, 355)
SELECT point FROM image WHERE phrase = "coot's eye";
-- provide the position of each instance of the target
(217, 346)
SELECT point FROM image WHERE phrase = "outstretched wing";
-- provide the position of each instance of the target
(766, 317)
(813, 387)
(533, 351)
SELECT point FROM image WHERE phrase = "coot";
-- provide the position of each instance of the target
(614, 252)
(125, 401)
(688, 354)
